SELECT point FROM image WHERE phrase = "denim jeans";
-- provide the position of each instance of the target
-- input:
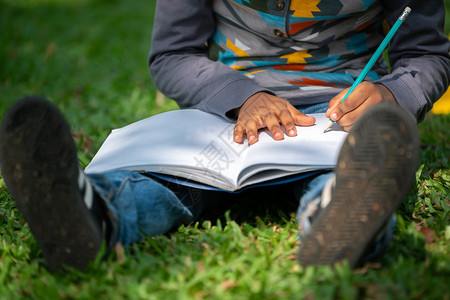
(143, 205)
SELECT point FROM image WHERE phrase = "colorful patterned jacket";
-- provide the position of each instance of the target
(214, 54)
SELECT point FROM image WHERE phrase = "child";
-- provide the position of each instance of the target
(262, 64)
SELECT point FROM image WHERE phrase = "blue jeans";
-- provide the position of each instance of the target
(146, 206)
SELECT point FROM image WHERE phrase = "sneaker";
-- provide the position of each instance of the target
(374, 172)
(40, 167)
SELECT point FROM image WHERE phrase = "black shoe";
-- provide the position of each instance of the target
(40, 167)
(374, 172)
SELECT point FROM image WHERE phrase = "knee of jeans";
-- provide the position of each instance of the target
(312, 188)
(141, 205)
(106, 184)
(310, 202)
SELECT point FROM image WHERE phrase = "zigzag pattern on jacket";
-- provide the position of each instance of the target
(298, 44)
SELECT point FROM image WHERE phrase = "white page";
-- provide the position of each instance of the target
(160, 143)
(311, 147)
(199, 146)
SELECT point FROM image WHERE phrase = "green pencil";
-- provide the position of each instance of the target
(375, 57)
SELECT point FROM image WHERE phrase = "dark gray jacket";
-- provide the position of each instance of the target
(214, 56)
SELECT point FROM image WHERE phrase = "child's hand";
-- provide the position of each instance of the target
(264, 110)
(365, 95)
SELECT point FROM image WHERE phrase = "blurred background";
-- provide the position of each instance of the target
(87, 56)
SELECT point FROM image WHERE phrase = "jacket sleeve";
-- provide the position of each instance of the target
(418, 54)
(179, 63)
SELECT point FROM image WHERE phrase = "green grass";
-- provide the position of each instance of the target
(89, 57)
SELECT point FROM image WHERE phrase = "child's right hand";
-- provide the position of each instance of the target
(365, 95)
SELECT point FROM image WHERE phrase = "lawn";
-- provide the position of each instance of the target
(90, 58)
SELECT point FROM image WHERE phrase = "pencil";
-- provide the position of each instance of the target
(374, 57)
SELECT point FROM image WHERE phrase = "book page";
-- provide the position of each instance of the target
(199, 146)
(188, 143)
(310, 149)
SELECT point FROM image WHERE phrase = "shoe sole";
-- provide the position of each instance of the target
(39, 164)
(375, 169)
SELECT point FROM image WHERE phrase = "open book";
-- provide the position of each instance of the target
(199, 147)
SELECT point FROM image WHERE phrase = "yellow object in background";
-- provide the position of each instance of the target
(442, 106)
